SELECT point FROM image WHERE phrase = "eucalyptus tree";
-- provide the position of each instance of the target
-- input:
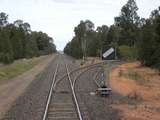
(18, 41)
(128, 21)
(102, 41)
(81, 33)
(149, 45)
(3, 19)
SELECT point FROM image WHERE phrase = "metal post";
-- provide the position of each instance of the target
(115, 53)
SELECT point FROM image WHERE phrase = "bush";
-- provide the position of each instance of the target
(6, 58)
(127, 53)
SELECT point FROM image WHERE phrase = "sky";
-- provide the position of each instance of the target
(58, 18)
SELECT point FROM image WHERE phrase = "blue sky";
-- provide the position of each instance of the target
(59, 17)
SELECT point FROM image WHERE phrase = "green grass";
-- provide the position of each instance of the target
(16, 68)
(131, 75)
(127, 53)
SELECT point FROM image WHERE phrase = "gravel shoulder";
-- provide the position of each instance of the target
(98, 107)
(12, 89)
(30, 104)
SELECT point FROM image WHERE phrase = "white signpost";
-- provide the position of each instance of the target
(108, 52)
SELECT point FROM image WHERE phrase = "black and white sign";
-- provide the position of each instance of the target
(108, 52)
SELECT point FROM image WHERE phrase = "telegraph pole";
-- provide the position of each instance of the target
(116, 43)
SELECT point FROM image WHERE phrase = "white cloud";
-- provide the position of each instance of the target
(59, 17)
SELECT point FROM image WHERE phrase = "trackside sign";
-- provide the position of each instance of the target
(108, 52)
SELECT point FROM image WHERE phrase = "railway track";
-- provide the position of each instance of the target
(69, 97)
(62, 103)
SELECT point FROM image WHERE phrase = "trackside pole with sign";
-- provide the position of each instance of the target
(109, 52)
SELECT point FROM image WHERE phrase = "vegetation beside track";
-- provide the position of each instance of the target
(139, 89)
(130, 74)
(18, 41)
(133, 37)
(19, 67)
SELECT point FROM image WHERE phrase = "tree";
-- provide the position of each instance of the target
(6, 50)
(3, 19)
(149, 45)
(25, 26)
(128, 21)
(44, 43)
(81, 32)
(80, 46)
(102, 41)
(18, 41)
(112, 36)
(73, 48)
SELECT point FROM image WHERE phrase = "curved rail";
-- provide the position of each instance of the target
(75, 70)
(74, 82)
(74, 95)
(50, 93)
(54, 82)
(95, 78)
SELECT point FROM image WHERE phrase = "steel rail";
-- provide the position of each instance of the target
(88, 67)
(54, 82)
(74, 82)
(74, 95)
(95, 78)
(50, 94)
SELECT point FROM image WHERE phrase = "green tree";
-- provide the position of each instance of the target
(73, 48)
(3, 19)
(149, 45)
(102, 40)
(81, 32)
(18, 41)
(17, 36)
(128, 21)
(6, 51)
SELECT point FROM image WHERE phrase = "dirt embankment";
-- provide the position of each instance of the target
(11, 89)
(140, 88)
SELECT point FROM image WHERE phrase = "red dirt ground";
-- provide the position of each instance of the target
(147, 91)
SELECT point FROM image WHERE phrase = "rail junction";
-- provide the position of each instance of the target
(65, 91)
(62, 102)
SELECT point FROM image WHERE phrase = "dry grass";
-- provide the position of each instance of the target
(18, 67)
(140, 85)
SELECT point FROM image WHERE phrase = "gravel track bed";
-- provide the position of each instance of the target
(30, 105)
(98, 107)
(61, 100)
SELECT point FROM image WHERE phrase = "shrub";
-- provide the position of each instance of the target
(127, 53)
(6, 58)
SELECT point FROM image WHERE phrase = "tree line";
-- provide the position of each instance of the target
(132, 37)
(17, 41)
